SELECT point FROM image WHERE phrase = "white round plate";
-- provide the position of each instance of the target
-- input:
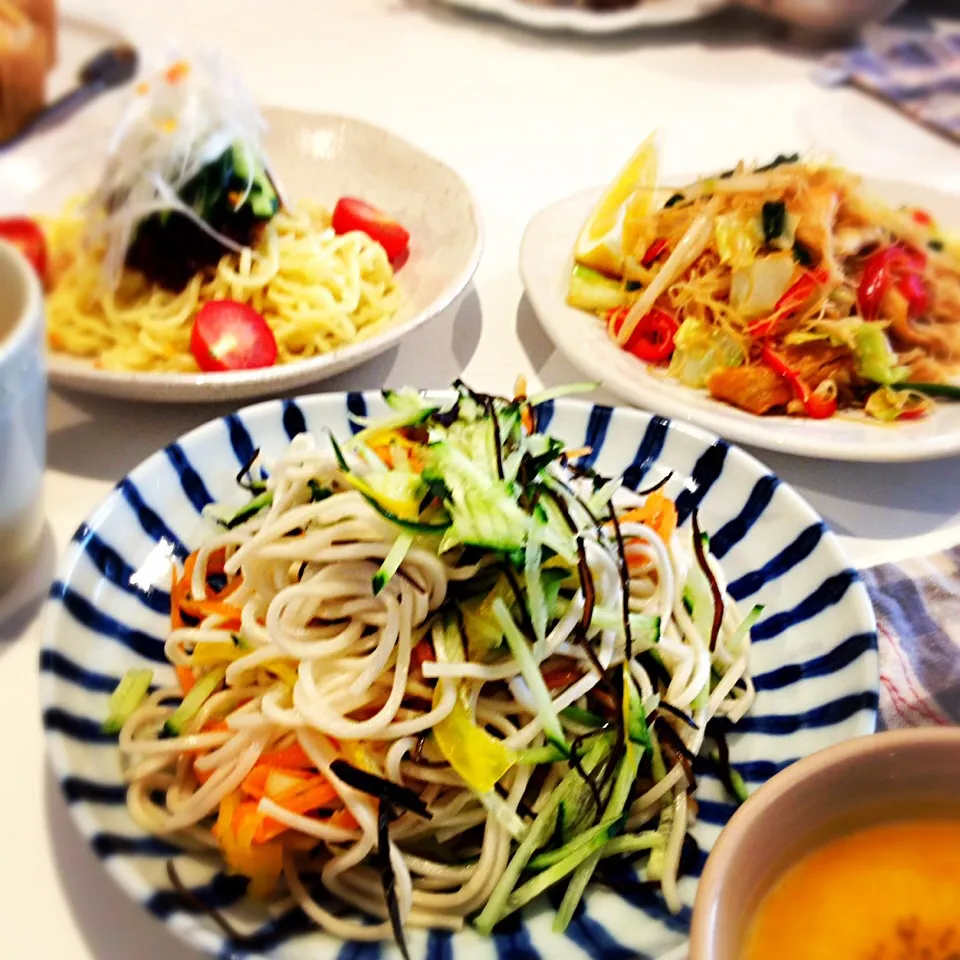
(316, 156)
(546, 258)
(813, 660)
(575, 19)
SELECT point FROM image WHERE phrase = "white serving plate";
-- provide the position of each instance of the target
(813, 661)
(546, 258)
(572, 19)
(316, 156)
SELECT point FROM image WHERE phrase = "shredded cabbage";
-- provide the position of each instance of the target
(700, 350)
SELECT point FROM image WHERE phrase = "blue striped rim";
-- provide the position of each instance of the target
(597, 426)
(269, 936)
(149, 520)
(826, 715)
(644, 897)
(81, 790)
(591, 936)
(243, 448)
(788, 558)
(118, 572)
(360, 951)
(114, 845)
(511, 940)
(222, 891)
(147, 645)
(651, 446)
(829, 593)
(714, 812)
(837, 659)
(191, 482)
(293, 421)
(357, 406)
(544, 415)
(77, 728)
(60, 665)
(439, 945)
(759, 771)
(704, 475)
(731, 533)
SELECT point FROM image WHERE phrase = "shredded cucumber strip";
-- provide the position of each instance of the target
(571, 789)
(190, 706)
(530, 670)
(393, 559)
(536, 596)
(129, 694)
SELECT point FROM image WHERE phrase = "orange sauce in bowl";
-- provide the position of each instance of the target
(889, 892)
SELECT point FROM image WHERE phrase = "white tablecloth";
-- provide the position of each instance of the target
(526, 119)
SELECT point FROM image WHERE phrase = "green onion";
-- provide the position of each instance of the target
(190, 706)
(129, 694)
(549, 857)
(626, 775)
(571, 789)
(945, 391)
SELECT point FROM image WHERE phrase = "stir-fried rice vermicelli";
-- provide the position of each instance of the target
(440, 670)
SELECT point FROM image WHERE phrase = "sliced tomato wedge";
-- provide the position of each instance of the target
(229, 335)
(352, 214)
(26, 235)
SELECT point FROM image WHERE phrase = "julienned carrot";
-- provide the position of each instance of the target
(182, 602)
(422, 653)
(657, 512)
(292, 757)
(185, 678)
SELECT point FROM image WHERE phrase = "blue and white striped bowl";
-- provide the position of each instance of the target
(814, 660)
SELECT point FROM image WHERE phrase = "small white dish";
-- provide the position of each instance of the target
(577, 19)
(320, 157)
(546, 258)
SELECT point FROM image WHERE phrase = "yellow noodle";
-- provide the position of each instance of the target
(317, 291)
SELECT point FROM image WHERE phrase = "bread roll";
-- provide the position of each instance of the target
(24, 56)
(44, 14)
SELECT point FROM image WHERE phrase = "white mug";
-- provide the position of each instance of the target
(23, 413)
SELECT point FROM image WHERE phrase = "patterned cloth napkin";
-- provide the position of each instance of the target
(919, 73)
(918, 612)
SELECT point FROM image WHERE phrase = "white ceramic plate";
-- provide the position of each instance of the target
(317, 156)
(573, 19)
(546, 258)
(813, 662)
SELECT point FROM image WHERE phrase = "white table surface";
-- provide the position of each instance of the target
(526, 119)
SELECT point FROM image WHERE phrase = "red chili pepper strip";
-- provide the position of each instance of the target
(653, 339)
(654, 252)
(796, 295)
(922, 217)
(818, 408)
(893, 266)
(914, 290)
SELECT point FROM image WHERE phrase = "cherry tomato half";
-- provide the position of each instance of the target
(228, 335)
(652, 340)
(353, 214)
(27, 236)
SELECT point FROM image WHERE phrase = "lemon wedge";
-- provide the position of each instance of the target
(600, 245)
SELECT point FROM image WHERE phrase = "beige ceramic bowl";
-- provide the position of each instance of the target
(855, 784)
